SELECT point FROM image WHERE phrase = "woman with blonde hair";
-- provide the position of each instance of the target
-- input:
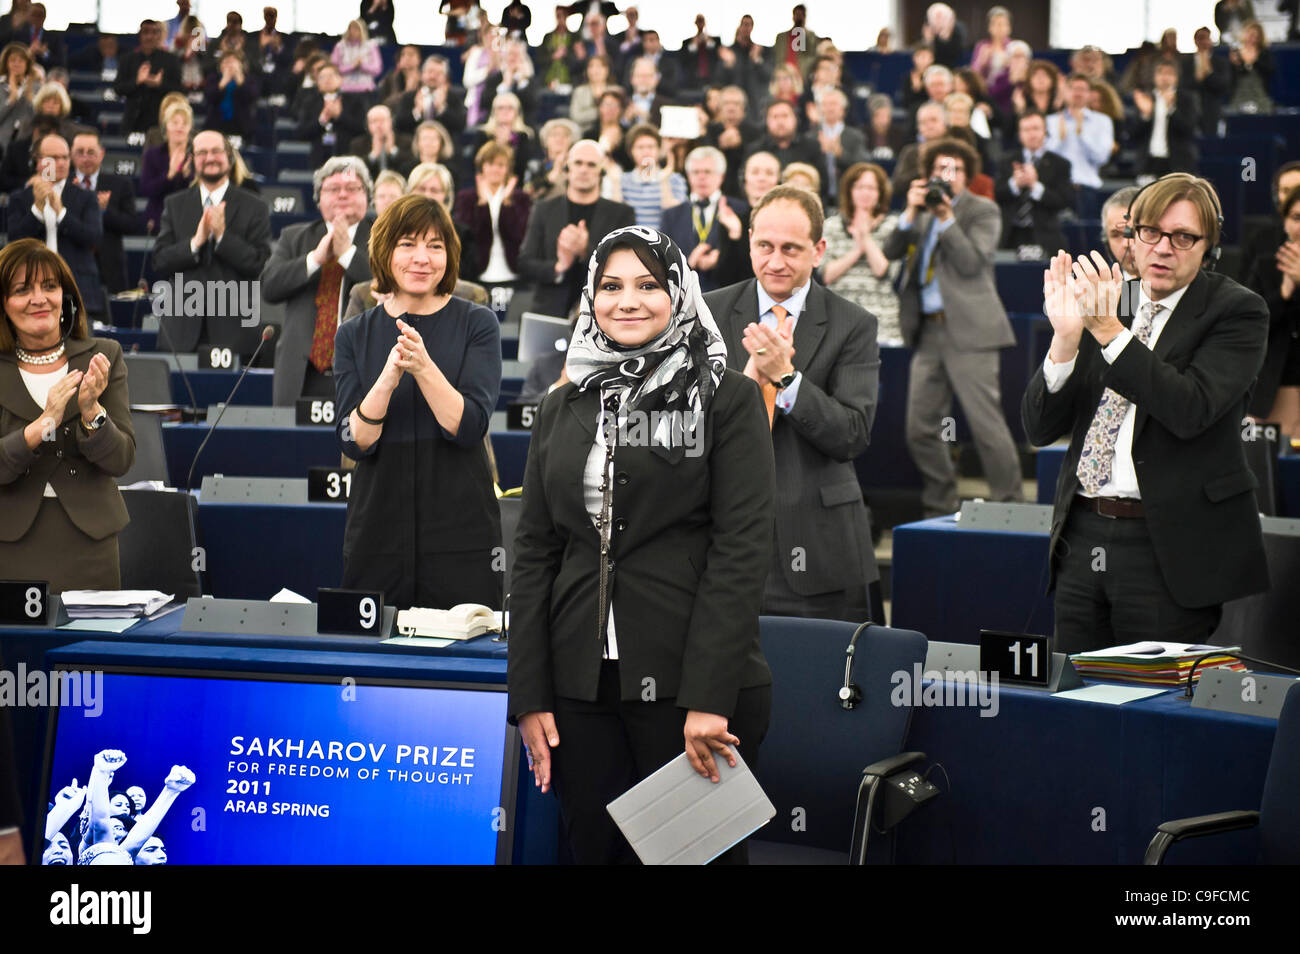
(357, 57)
(169, 166)
(505, 126)
(786, 85)
(804, 176)
(389, 187)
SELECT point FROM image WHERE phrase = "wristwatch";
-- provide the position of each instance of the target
(786, 379)
(97, 423)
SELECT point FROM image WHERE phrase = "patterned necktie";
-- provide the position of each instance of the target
(327, 316)
(767, 387)
(84, 182)
(1098, 455)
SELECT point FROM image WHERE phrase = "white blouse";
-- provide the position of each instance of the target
(39, 386)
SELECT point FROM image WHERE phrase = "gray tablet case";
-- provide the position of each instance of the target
(678, 817)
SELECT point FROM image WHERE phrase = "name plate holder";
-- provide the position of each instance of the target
(49, 609)
(1010, 517)
(259, 618)
(965, 657)
(1242, 693)
(253, 490)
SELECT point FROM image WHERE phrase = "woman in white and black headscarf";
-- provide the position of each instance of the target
(642, 548)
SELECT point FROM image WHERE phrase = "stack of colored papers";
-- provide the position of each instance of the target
(1152, 663)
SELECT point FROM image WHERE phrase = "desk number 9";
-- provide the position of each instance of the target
(368, 612)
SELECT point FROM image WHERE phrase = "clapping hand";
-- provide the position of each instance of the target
(729, 219)
(93, 384)
(216, 215)
(56, 402)
(411, 354)
(1062, 308)
(1288, 260)
(1098, 293)
(1143, 101)
(703, 258)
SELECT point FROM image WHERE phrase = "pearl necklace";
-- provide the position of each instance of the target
(27, 357)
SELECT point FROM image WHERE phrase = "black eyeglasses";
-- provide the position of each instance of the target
(1183, 241)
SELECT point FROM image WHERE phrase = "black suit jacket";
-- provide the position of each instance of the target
(691, 545)
(1191, 393)
(349, 123)
(1213, 89)
(556, 295)
(78, 235)
(141, 103)
(120, 219)
(452, 116)
(55, 53)
(1058, 194)
(734, 265)
(823, 535)
(1183, 127)
(800, 149)
(285, 279)
(1263, 278)
(400, 160)
(239, 256)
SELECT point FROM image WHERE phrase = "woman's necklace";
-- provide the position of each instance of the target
(41, 356)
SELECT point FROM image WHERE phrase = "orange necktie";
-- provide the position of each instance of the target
(769, 389)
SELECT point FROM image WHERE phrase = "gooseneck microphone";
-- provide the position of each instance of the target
(185, 378)
(267, 334)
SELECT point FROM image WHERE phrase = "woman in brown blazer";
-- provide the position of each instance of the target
(65, 429)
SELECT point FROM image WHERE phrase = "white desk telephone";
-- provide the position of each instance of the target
(460, 622)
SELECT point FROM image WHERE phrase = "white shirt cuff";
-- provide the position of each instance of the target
(786, 397)
(62, 212)
(1055, 375)
(1036, 192)
(1015, 189)
(1112, 350)
(312, 267)
(346, 258)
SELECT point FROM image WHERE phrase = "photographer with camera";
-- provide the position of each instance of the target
(954, 322)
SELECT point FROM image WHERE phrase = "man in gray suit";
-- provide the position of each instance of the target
(954, 322)
(312, 270)
(816, 360)
(842, 145)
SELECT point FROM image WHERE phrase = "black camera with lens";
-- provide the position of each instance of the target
(935, 190)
